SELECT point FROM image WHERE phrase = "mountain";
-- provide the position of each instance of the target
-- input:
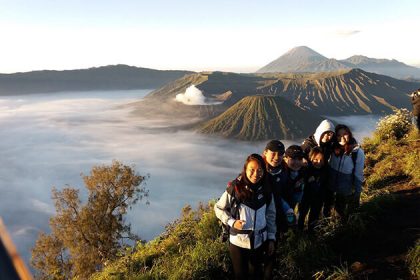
(392, 68)
(304, 59)
(256, 118)
(112, 77)
(295, 60)
(226, 87)
(343, 92)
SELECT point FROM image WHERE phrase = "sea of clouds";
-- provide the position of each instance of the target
(50, 139)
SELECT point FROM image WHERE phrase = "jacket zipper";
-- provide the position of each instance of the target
(253, 231)
(338, 171)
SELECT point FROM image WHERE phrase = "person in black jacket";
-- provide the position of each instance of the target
(291, 187)
(312, 193)
(273, 157)
(324, 138)
(415, 101)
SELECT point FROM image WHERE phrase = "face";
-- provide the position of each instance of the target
(327, 136)
(343, 137)
(318, 160)
(273, 158)
(254, 171)
(294, 163)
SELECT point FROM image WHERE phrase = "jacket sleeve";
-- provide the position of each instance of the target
(284, 206)
(306, 146)
(220, 209)
(270, 215)
(358, 171)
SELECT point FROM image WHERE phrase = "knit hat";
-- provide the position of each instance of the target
(294, 151)
(275, 146)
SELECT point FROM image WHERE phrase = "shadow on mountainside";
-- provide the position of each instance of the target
(381, 252)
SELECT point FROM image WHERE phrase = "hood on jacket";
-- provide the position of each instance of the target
(324, 126)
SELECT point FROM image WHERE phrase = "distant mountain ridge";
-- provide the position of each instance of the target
(111, 77)
(304, 59)
(275, 105)
(343, 92)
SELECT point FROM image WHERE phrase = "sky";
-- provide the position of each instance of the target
(230, 35)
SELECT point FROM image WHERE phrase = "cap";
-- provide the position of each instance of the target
(275, 146)
(294, 151)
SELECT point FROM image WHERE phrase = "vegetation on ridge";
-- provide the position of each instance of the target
(84, 237)
(378, 242)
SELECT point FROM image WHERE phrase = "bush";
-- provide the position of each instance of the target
(301, 255)
(394, 126)
(413, 260)
(188, 249)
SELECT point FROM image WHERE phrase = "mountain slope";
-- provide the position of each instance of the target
(110, 77)
(343, 92)
(304, 59)
(387, 67)
(228, 87)
(260, 118)
(298, 59)
(380, 241)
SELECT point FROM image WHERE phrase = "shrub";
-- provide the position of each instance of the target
(300, 255)
(413, 260)
(394, 126)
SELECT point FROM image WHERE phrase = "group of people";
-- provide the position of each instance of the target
(289, 188)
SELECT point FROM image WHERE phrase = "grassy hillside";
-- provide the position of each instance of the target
(379, 242)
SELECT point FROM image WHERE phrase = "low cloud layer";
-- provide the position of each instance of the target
(49, 140)
(194, 96)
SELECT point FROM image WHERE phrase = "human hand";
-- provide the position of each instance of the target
(239, 224)
(290, 215)
(311, 179)
(270, 247)
(356, 200)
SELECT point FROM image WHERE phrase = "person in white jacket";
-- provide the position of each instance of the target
(247, 207)
(345, 176)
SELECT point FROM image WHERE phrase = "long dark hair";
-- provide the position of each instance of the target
(243, 187)
(348, 147)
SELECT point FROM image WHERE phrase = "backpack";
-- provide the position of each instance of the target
(353, 158)
(233, 208)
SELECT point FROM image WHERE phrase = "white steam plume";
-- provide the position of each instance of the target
(194, 96)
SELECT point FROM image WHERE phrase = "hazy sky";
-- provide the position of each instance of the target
(211, 35)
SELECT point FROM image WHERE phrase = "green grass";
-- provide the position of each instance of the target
(190, 247)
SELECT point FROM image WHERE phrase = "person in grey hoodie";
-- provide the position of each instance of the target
(345, 177)
(324, 138)
(247, 207)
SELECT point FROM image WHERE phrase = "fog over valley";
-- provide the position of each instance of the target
(50, 139)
